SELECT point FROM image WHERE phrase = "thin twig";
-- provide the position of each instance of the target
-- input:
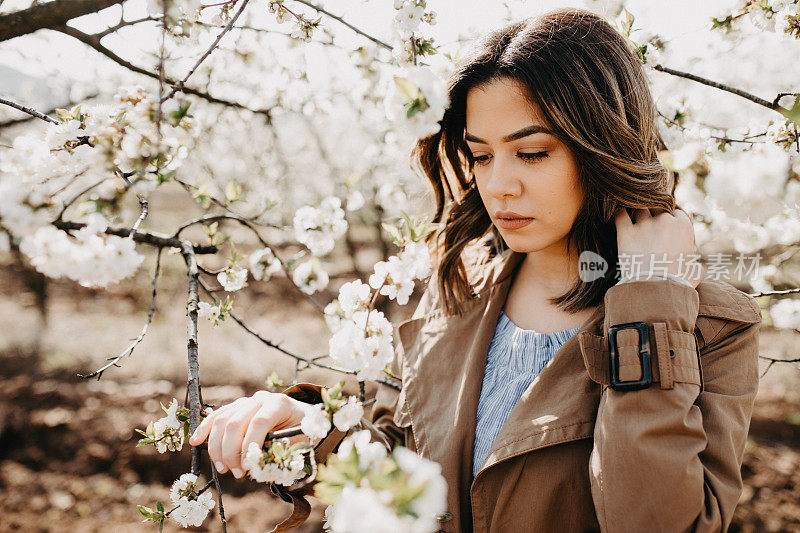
(776, 293)
(28, 110)
(125, 23)
(298, 358)
(142, 216)
(215, 477)
(717, 85)
(179, 86)
(129, 350)
(94, 42)
(250, 225)
(341, 20)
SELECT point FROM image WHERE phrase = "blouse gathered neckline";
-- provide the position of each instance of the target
(535, 334)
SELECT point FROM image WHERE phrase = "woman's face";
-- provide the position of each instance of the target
(520, 170)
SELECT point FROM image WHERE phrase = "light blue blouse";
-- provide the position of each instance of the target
(515, 358)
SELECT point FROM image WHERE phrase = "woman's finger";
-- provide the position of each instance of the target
(262, 423)
(215, 444)
(203, 429)
(621, 217)
(232, 438)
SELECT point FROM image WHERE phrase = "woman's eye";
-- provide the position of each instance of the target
(480, 159)
(528, 157)
(533, 157)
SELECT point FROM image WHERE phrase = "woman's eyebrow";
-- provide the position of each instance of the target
(524, 132)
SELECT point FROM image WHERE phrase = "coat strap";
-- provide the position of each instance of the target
(673, 352)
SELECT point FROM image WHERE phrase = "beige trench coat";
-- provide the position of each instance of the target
(575, 454)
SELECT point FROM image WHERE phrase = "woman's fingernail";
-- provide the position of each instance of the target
(236, 472)
(220, 466)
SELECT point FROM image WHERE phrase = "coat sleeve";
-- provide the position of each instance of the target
(668, 457)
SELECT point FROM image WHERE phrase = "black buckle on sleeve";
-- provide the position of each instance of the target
(644, 357)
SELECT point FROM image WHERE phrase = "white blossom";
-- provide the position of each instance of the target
(211, 312)
(264, 470)
(417, 99)
(168, 431)
(354, 296)
(395, 277)
(310, 277)
(786, 313)
(366, 351)
(191, 509)
(334, 315)
(263, 264)
(315, 424)
(319, 227)
(91, 260)
(417, 258)
(232, 279)
(355, 201)
(348, 415)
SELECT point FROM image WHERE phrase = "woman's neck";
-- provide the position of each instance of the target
(551, 270)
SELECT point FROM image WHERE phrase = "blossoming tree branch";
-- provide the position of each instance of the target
(62, 192)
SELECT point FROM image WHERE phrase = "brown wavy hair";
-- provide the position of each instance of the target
(593, 94)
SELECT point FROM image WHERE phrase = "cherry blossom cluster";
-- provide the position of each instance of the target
(647, 45)
(405, 45)
(345, 413)
(779, 16)
(278, 462)
(416, 100)
(90, 258)
(310, 277)
(167, 433)
(786, 313)
(215, 313)
(362, 336)
(127, 134)
(263, 264)
(304, 27)
(191, 504)
(191, 508)
(370, 489)
(109, 148)
(319, 227)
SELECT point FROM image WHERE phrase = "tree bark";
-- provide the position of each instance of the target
(48, 15)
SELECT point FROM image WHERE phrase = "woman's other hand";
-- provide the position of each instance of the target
(231, 428)
(661, 243)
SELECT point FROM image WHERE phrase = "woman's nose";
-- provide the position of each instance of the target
(503, 180)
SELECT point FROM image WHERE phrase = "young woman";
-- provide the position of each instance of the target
(556, 400)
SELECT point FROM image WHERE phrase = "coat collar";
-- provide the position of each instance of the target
(443, 373)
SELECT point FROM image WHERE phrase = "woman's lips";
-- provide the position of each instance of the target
(513, 223)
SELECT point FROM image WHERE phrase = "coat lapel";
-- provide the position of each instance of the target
(560, 405)
(443, 368)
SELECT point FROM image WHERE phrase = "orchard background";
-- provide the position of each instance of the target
(291, 104)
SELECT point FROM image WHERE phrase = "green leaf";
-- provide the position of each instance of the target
(146, 511)
(394, 232)
(792, 114)
(233, 192)
(406, 88)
